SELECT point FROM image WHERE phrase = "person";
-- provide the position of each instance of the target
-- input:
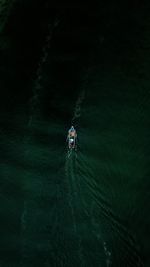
(71, 140)
(72, 132)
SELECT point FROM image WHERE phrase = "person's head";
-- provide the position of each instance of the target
(72, 128)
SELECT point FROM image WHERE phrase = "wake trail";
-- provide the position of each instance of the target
(70, 173)
(73, 198)
(5, 9)
(108, 255)
(77, 111)
(37, 83)
(81, 97)
(101, 207)
(70, 169)
(34, 113)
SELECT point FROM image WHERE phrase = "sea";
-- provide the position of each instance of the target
(85, 64)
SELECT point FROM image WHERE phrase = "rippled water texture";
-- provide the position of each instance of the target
(66, 64)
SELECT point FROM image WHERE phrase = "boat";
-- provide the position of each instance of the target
(72, 138)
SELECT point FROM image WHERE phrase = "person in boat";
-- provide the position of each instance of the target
(72, 135)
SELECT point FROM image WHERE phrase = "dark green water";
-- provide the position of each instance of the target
(88, 65)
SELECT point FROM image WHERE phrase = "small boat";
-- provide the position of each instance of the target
(72, 138)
